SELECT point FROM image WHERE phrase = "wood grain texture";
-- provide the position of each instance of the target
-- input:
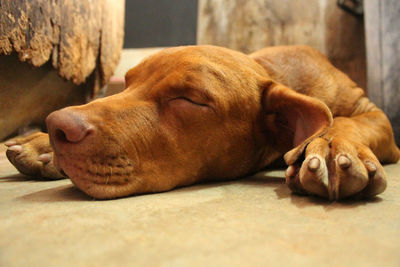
(248, 25)
(112, 37)
(383, 46)
(72, 34)
(54, 53)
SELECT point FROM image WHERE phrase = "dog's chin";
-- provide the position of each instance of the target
(100, 180)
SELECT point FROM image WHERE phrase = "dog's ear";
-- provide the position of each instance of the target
(297, 118)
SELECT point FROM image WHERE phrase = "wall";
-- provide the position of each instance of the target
(156, 23)
(383, 45)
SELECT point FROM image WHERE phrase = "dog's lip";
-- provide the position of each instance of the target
(102, 187)
(117, 174)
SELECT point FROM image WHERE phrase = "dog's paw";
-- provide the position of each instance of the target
(337, 169)
(32, 155)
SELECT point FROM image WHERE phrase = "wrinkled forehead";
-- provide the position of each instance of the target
(198, 64)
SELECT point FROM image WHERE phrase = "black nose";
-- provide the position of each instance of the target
(66, 126)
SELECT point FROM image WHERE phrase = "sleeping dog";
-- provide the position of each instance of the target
(201, 113)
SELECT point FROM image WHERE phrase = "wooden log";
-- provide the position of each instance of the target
(248, 25)
(76, 45)
(382, 19)
(72, 33)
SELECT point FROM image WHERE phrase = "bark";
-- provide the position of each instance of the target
(78, 37)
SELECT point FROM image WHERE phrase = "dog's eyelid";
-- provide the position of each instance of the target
(195, 95)
(189, 100)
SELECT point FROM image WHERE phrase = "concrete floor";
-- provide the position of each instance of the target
(248, 222)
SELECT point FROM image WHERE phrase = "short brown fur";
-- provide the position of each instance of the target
(199, 113)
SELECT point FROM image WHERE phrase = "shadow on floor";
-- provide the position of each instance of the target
(263, 179)
(282, 191)
(65, 192)
(18, 177)
(57, 194)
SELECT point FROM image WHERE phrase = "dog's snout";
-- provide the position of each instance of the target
(66, 126)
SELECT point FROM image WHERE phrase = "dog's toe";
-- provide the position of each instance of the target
(314, 175)
(20, 159)
(350, 176)
(376, 180)
(293, 179)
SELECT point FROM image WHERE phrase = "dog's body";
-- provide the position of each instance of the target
(198, 113)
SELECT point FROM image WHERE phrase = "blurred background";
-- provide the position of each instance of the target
(359, 37)
(334, 27)
(158, 23)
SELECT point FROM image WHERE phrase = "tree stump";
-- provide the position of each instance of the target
(53, 54)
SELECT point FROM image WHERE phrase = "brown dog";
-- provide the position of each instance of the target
(201, 113)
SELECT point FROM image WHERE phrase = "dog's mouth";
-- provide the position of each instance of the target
(103, 178)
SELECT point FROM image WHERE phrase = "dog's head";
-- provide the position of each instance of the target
(187, 114)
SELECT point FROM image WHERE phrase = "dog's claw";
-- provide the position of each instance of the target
(344, 162)
(15, 148)
(10, 143)
(313, 164)
(45, 158)
(371, 168)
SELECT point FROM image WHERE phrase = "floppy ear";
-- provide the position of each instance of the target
(297, 118)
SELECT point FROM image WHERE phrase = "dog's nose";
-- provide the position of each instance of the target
(67, 126)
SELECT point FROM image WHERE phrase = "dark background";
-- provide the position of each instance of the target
(152, 23)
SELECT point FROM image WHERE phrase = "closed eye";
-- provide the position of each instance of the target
(189, 100)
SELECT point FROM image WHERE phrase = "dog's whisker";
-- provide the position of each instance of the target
(108, 176)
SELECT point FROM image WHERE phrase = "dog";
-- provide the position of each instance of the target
(204, 113)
